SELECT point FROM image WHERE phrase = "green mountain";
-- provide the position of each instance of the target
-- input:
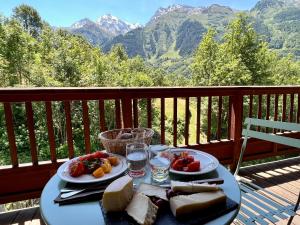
(280, 24)
(173, 32)
(176, 31)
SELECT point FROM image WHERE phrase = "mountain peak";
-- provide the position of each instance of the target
(81, 23)
(114, 25)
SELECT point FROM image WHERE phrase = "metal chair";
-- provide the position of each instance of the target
(260, 206)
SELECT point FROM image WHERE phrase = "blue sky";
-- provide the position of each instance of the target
(66, 12)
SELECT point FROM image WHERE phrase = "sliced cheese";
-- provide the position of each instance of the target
(142, 210)
(151, 190)
(118, 194)
(185, 204)
(191, 187)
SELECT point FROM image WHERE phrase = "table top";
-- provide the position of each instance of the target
(90, 212)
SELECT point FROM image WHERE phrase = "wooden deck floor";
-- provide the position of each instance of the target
(282, 178)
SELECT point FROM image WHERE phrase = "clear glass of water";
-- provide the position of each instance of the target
(136, 156)
(160, 165)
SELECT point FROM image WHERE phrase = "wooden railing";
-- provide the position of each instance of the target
(218, 114)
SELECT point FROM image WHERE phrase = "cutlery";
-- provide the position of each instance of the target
(65, 190)
(71, 193)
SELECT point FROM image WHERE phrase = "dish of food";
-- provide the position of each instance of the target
(92, 168)
(192, 162)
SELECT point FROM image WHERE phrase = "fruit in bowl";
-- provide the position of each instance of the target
(97, 164)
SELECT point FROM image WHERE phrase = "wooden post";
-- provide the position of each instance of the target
(127, 112)
(236, 108)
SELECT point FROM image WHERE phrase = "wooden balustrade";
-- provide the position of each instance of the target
(218, 119)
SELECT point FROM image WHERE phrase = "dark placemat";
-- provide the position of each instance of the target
(165, 216)
(93, 192)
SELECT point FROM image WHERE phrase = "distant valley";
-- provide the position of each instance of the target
(171, 36)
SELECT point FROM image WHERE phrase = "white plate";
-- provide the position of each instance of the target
(208, 162)
(63, 173)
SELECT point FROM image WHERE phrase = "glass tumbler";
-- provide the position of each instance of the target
(159, 164)
(136, 157)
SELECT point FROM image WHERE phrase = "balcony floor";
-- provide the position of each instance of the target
(282, 178)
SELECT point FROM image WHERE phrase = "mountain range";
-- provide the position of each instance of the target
(173, 33)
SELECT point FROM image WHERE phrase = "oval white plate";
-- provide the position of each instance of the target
(208, 163)
(63, 173)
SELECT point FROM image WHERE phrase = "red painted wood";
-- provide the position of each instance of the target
(198, 120)
(11, 134)
(30, 126)
(149, 112)
(187, 121)
(162, 121)
(175, 122)
(219, 118)
(250, 106)
(127, 112)
(208, 119)
(69, 132)
(135, 113)
(102, 115)
(259, 111)
(291, 108)
(225, 151)
(276, 110)
(268, 107)
(298, 113)
(51, 137)
(118, 113)
(72, 94)
(86, 126)
(229, 118)
(236, 107)
(284, 108)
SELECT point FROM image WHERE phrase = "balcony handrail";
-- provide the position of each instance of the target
(231, 102)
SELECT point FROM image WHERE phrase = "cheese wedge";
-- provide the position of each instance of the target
(118, 194)
(142, 210)
(190, 187)
(185, 204)
(151, 190)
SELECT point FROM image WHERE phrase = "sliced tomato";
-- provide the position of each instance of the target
(99, 154)
(178, 164)
(190, 158)
(194, 166)
(86, 157)
(76, 168)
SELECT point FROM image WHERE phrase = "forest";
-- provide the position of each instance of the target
(34, 54)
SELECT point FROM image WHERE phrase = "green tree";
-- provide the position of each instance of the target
(204, 65)
(29, 18)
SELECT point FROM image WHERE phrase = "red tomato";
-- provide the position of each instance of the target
(86, 157)
(76, 168)
(100, 154)
(194, 166)
(190, 158)
(178, 164)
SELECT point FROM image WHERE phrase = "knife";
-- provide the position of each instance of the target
(209, 181)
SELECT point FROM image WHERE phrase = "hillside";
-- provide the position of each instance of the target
(171, 36)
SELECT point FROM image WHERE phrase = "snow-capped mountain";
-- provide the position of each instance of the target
(114, 25)
(163, 11)
(82, 23)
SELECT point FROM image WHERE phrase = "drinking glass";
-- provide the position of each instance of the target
(136, 157)
(160, 165)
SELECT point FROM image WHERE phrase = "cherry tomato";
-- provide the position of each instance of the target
(194, 166)
(178, 164)
(100, 154)
(76, 168)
